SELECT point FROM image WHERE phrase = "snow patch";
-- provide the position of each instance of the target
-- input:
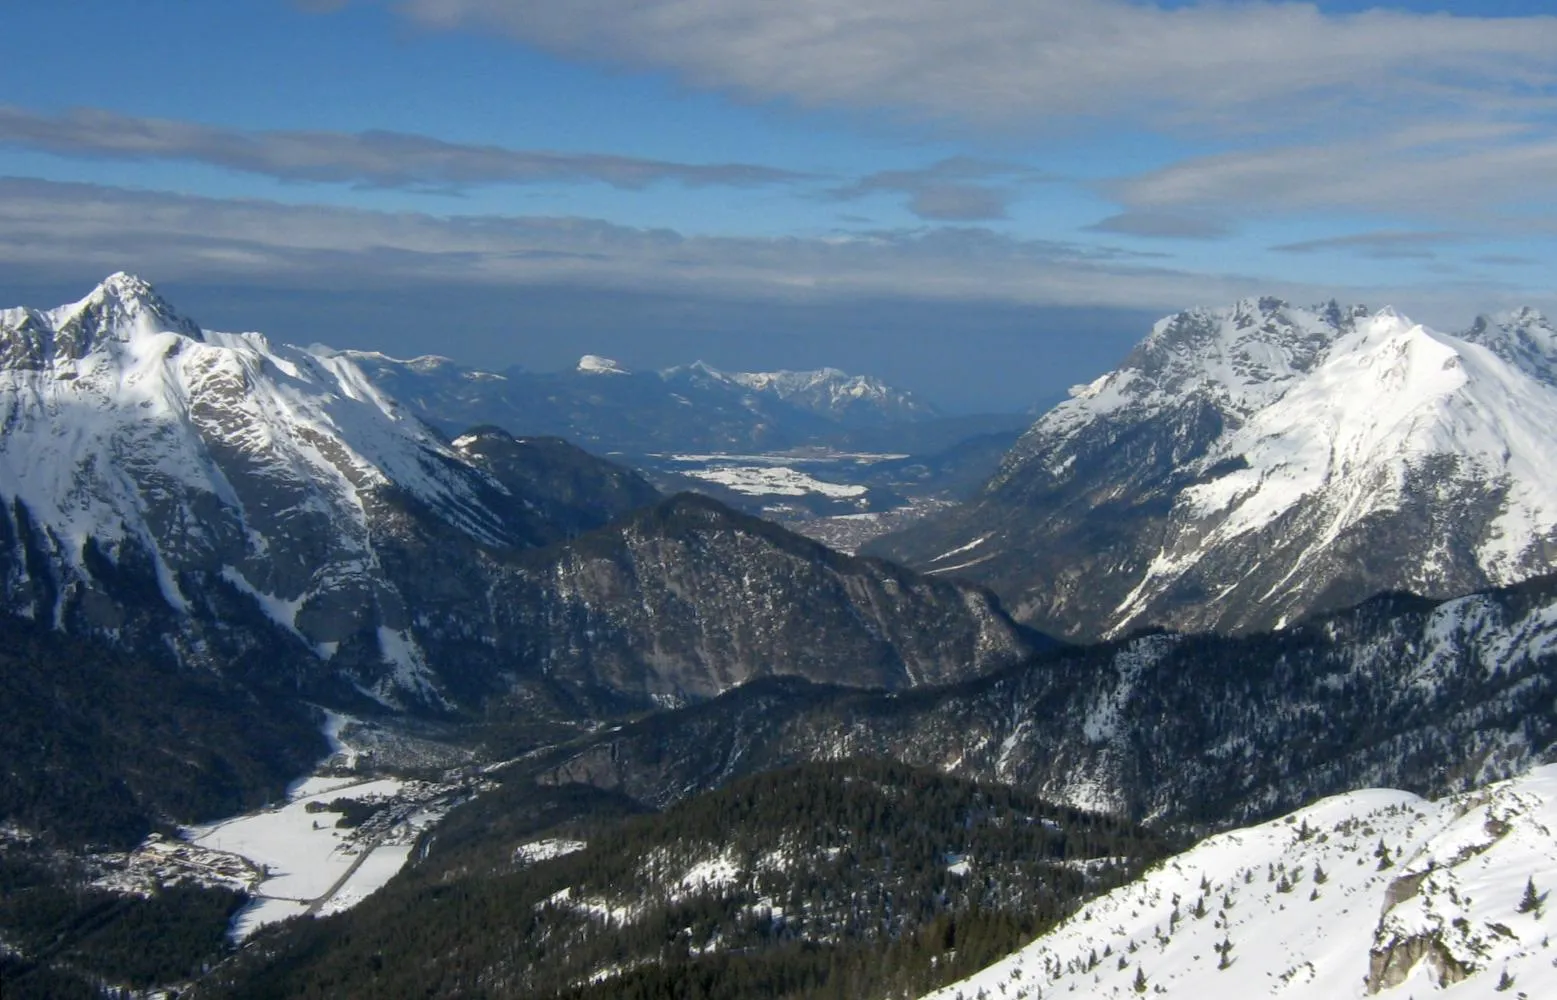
(959, 550)
(774, 481)
(537, 851)
(594, 364)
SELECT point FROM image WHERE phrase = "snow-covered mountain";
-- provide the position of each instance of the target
(609, 408)
(1246, 466)
(850, 400)
(1372, 893)
(268, 511)
(136, 442)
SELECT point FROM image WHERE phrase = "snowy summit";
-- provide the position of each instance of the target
(594, 364)
(1250, 465)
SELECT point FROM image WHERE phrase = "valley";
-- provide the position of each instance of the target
(339, 685)
(843, 499)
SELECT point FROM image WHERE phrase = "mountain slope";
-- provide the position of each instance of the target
(610, 409)
(156, 474)
(1398, 692)
(1247, 466)
(269, 513)
(1373, 893)
(853, 878)
(688, 599)
(102, 746)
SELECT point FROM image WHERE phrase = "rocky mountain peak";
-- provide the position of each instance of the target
(1248, 465)
(122, 310)
(1234, 350)
(1522, 337)
(122, 307)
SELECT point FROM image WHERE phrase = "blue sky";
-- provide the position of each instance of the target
(984, 200)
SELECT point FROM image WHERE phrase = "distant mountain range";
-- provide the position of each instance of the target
(1247, 466)
(603, 406)
(269, 512)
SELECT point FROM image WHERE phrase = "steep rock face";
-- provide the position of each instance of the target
(689, 599)
(1248, 466)
(268, 512)
(609, 408)
(1398, 692)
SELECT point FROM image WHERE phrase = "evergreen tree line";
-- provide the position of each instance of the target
(68, 939)
(845, 889)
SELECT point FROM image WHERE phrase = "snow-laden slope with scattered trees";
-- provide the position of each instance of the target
(1369, 893)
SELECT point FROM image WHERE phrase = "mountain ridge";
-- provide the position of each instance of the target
(1185, 730)
(605, 406)
(1248, 465)
(222, 500)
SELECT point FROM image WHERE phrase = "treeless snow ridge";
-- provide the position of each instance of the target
(1370, 893)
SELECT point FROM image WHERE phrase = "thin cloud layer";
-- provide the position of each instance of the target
(74, 228)
(1406, 245)
(369, 159)
(76, 231)
(1162, 225)
(957, 189)
(1431, 171)
(1257, 66)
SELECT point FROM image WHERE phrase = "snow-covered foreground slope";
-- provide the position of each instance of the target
(1247, 466)
(1371, 893)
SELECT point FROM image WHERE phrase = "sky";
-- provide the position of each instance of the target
(982, 200)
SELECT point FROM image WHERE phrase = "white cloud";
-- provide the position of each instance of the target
(78, 226)
(1443, 171)
(1254, 66)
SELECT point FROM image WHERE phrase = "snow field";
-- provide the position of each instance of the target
(304, 854)
(754, 480)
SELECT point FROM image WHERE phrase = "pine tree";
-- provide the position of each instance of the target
(1140, 980)
(1532, 901)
